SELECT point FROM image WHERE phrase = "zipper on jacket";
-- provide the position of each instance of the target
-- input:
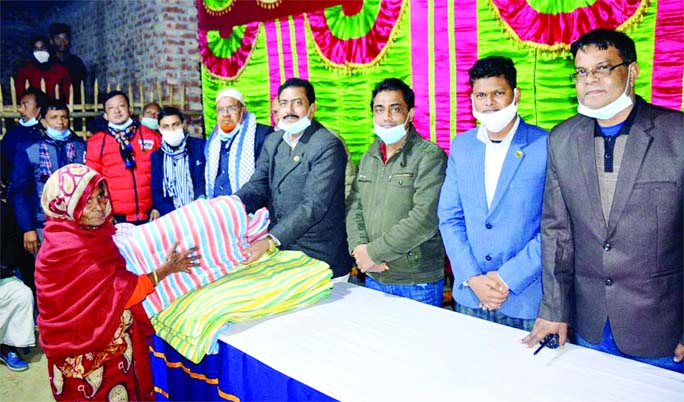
(135, 193)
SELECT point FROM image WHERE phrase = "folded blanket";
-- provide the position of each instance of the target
(275, 284)
(220, 227)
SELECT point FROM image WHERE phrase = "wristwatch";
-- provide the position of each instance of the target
(272, 248)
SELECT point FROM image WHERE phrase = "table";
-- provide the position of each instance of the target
(363, 345)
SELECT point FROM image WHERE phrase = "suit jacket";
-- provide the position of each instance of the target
(303, 189)
(628, 269)
(505, 237)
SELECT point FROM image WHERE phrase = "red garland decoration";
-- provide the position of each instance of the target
(359, 51)
(560, 30)
(232, 66)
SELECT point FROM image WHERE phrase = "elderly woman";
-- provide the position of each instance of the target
(92, 327)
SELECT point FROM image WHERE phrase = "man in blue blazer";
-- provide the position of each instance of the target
(490, 204)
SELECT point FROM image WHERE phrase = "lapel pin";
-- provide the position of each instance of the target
(518, 154)
(297, 158)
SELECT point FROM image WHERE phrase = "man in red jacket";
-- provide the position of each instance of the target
(122, 154)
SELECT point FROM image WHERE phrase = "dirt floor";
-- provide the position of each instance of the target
(29, 385)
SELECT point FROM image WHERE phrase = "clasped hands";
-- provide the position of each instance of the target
(489, 289)
(364, 262)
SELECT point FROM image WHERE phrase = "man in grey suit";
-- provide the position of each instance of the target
(613, 214)
(299, 176)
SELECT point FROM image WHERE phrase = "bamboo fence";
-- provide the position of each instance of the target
(138, 94)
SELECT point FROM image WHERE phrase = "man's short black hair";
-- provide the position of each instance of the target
(170, 111)
(40, 97)
(39, 38)
(298, 82)
(603, 39)
(54, 104)
(112, 94)
(494, 66)
(59, 28)
(395, 84)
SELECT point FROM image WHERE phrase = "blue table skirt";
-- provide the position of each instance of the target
(229, 375)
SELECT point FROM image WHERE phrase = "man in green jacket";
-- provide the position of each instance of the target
(392, 223)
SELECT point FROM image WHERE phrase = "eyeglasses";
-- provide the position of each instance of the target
(603, 71)
(228, 109)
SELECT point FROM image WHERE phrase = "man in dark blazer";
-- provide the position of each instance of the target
(299, 176)
(613, 214)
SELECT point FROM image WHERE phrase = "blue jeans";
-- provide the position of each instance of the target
(608, 345)
(495, 316)
(428, 293)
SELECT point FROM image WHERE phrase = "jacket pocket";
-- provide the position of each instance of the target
(402, 179)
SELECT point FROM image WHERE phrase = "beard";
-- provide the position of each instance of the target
(228, 127)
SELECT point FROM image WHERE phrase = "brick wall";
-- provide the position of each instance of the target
(125, 41)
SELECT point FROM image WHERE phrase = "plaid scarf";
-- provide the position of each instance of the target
(44, 161)
(177, 179)
(125, 148)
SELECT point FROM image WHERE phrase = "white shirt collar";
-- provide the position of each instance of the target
(292, 139)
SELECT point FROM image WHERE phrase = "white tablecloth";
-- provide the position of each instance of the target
(363, 345)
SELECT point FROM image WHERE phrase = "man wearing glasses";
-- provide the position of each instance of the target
(613, 214)
(299, 177)
(233, 146)
(392, 219)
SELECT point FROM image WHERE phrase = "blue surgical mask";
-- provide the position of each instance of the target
(226, 136)
(58, 135)
(390, 135)
(296, 127)
(32, 122)
(604, 113)
(150, 122)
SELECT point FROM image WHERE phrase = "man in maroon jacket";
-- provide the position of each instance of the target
(39, 67)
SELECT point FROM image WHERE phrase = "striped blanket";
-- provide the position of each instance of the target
(275, 284)
(220, 227)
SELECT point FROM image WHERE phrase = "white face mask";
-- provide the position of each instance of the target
(121, 126)
(296, 127)
(604, 113)
(390, 135)
(31, 122)
(173, 137)
(42, 56)
(150, 122)
(496, 121)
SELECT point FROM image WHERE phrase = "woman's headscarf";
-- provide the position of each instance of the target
(66, 192)
(81, 278)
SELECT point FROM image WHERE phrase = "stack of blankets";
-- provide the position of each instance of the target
(187, 310)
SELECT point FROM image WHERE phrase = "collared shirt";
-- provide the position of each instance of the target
(495, 154)
(292, 139)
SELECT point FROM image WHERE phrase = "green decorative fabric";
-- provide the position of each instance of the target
(251, 82)
(225, 48)
(355, 26)
(344, 98)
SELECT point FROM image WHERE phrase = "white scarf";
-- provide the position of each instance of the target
(240, 157)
